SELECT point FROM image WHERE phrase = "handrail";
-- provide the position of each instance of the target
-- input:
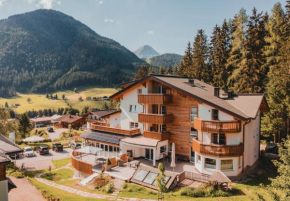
(81, 165)
(116, 130)
(156, 135)
(216, 126)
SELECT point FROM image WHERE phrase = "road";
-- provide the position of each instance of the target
(56, 133)
(40, 162)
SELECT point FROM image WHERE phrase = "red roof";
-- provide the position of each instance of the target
(68, 118)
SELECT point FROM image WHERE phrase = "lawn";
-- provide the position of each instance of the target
(39, 101)
(61, 162)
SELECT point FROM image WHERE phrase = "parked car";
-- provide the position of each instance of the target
(57, 146)
(76, 145)
(50, 129)
(43, 150)
(28, 151)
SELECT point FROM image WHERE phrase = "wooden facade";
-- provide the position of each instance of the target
(154, 98)
(81, 165)
(218, 150)
(115, 130)
(217, 126)
(156, 135)
(2, 172)
(155, 118)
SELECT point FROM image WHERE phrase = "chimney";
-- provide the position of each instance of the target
(230, 93)
(191, 81)
(217, 92)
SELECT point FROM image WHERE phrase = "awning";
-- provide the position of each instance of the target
(89, 150)
(34, 139)
(141, 141)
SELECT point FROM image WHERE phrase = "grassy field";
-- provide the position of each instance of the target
(39, 101)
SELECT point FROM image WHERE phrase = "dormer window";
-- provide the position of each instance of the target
(214, 114)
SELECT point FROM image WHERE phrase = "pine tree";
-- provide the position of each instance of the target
(220, 47)
(24, 125)
(142, 72)
(168, 70)
(176, 70)
(151, 70)
(161, 70)
(250, 74)
(200, 56)
(186, 67)
(238, 29)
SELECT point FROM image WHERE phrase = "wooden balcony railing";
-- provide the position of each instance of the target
(155, 118)
(154, 98)
(115, 130)
(217, 126)
(81, 165)
(218, 150)
(156, 135)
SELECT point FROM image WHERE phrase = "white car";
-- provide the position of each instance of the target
(28, 151)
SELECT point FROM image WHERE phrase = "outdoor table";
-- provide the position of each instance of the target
(134, 163)
(100, 160)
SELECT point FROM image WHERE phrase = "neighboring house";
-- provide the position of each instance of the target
(6, 148)
(99, 117)
(213, 129)
(105, 98)
(74, 120)
(54, 117)
(38, 122)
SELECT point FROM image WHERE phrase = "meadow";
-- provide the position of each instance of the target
(40, 102)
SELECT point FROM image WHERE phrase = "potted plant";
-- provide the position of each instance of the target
(108, 165)
(120, 162)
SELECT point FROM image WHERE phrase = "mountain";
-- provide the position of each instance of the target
(145, 52)
(165, 60)
(46, 50)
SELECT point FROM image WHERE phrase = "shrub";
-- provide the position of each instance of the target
(18, 174)
(109, 188)
(203, 191)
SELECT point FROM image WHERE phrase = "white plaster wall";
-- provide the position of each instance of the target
(233, 138)
(201, 166)
(130, 98)
(88, 125)
(114, 120)
(160, 144)
(206, 138)
(4, 190)
(204, 113)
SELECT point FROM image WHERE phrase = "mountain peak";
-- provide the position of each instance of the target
(146, 52)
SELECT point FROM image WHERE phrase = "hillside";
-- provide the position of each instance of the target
(45, 51)
(165, 60)
(145, 52)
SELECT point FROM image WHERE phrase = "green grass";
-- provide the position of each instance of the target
(61, 162)
(58, 175)
(39, 101)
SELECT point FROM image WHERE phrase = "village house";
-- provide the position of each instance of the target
(7, 149)
(74, 121)
(211, 128)
(38, 122)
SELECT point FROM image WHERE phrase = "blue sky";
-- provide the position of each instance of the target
(166, 25)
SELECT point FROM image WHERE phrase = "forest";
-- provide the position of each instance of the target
(246, 54)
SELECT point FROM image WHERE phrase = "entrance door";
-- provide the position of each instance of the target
(192, 155)
(149, 154)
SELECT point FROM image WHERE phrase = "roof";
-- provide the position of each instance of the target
(219, 177)
(40, 119)
(55, 116)
(103, 137)
(8, 147)
(141, 141)
(4, 160)
(204, 93)
(102, 113)
(115, 112)
(34, 138)
(68, 118)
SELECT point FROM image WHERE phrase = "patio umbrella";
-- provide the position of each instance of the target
(34, 138)
(172, 164)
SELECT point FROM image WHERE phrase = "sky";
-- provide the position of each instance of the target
(166, 25)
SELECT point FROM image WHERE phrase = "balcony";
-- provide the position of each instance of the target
(115, 130)
(217, 126)
(154, 98)
(218, 150)
(155, 118)
(156, 135)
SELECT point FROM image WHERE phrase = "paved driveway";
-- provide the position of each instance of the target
(56, 133)
(40, 162)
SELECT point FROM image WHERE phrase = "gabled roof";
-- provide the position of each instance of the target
(68, 118)
(40, 119)
(8, 147)
(205, 93)
(102, 113)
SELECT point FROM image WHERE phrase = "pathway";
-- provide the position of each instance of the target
(83, 193)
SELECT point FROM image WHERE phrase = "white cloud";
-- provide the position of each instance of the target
(30, 1)
(47, 4)
(151, 32)
(100, 2)
(107, 20)
(1, 2)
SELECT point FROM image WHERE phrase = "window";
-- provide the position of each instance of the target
(193, 133)
(133, 125)
(163, 128)
(139, 91)
(133, 108)
(198, 158)
(154, 109)
(218, 138)
(210, 163)
(163, 149)
(214, 114)
(193, 113)
(163, 109)
(170, 147)
(227, 165)
(154, 128)
(192, 155)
